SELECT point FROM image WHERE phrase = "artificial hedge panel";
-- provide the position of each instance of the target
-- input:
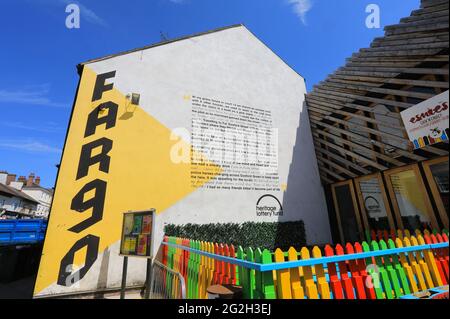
(256, 235)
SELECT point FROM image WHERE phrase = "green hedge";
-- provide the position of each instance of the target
(256, 235)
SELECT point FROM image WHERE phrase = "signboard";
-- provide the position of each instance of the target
(137, 234)
(427, 122)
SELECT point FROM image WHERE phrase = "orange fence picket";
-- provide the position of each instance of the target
(336, 286)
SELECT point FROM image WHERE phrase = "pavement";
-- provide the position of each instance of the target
(23, 289)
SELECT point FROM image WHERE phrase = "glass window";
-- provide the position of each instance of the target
(346, 211)
(436, 171)
(440, 176)
(373, 204)
(411, 200)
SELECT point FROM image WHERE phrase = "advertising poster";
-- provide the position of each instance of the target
(427, 123)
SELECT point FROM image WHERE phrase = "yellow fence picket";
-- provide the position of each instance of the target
(296, 286)
(202, 274)
(210, 265)
(422, 264)
(324, 288)
(407, 268)
(400, 234)
(311, 289)
(431, 263)
(283, 278)
(415, 267)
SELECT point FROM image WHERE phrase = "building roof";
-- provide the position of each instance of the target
(11, 191)
(40, 187)
(80, 66)
(354, 113)
(159, 44)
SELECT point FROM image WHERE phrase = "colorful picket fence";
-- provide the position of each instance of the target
(388, 268)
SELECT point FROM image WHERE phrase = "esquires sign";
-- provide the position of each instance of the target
(427, 123)
(94, 156)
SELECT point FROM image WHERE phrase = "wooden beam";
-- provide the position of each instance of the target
(433, 84)
(329, 84)
(361, 69)
(336, 166)
(328, 113)
(368, 130)
(354, 155)
(341, 159)
(358, 146)
(352, 97)
(370, 141)
(326, 179)
(408, 40)
(426, 27)
(339, 105)
(400, 59)
(331, 173)
(435, 150)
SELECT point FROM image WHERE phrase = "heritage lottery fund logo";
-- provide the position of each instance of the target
(268, 206)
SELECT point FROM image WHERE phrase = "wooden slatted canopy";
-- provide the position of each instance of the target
(355, 113)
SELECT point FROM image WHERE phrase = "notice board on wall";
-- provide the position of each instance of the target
(137, 234)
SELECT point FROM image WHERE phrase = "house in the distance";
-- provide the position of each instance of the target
(43, 195)
(24, 197)
(13, 202)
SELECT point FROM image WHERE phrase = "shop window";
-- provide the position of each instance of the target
(347, 212)
(410, 199)
(374, 204)
(437, 172)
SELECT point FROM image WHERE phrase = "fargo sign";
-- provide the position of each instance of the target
(427, 123)
(105, 115)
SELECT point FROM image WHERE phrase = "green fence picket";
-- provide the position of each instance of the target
(265, 288)
(383, 274)
(373, 274)
(244, 275)
(391, 271)
(400, 271)
(251, 273)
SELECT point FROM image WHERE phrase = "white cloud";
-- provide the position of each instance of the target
(301, 8)
(34, 95)
(31, 146)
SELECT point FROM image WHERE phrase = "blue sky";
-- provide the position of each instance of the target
(38, 54)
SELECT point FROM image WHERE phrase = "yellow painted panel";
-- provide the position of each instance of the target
(140, 160)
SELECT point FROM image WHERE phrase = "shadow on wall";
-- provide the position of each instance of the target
(304, 197)
(102, 281)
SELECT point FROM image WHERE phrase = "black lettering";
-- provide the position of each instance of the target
(87, 160)
(97, 204)
(66, 277)
(94, 120)
(100, 86)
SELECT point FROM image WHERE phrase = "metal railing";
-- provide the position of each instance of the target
(166, 283)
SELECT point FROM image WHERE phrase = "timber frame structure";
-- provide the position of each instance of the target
(355, 113)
